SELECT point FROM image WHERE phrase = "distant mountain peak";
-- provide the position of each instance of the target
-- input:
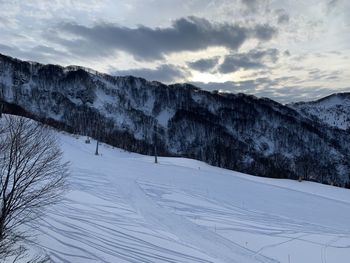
(333, 110)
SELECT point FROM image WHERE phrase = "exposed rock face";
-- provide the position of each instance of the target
(240, 132)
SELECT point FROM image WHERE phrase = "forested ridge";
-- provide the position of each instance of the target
(236, 131)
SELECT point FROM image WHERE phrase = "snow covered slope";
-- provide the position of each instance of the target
(234, 131)
(333, 110)
(122, 207)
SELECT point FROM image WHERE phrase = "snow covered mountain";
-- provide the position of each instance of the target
(334, 110)
(235, 131)
(122, 207)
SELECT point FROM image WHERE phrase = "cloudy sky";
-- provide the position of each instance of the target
(287, 50)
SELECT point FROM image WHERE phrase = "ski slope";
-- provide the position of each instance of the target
(122, 207)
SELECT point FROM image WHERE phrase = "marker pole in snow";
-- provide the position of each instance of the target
(155, 145)
(96, 152)
(155, 156)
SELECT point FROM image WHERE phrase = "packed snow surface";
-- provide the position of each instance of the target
(122, 207)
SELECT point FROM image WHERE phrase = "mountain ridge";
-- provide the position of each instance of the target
(332, 110)
(235, 131)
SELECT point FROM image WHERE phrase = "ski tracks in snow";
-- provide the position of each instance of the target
(123, 208)
(95, 224)
(188, 232)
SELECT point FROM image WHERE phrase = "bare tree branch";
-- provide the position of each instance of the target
(32, 176)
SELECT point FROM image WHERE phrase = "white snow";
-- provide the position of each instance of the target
(333, 110)
(122, 207)
(164, 116)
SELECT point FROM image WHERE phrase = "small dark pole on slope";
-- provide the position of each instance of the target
(155, 144)
(1, 104)
(96, 152)
(1, 108)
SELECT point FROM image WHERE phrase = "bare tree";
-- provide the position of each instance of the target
(32, 176)
(304, 166)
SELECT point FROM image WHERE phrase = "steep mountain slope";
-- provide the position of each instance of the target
(239, 132)
(333, 110)
(122, 207)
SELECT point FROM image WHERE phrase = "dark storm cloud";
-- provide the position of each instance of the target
(254, 59)
(145, 43)
(164, 73)
(204, 65)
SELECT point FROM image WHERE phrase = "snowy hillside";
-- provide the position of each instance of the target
(124, 208)
(333, 110)
(234, 131)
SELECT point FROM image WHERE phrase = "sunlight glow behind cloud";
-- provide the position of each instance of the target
(287, 50)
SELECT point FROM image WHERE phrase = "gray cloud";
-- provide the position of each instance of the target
(318, 75)
(264, 32)
(144, 43)
(6, 50)
(273, 89)
(164, 73)
(286, 53)
(251, 5)
(252, 86)
(40, 53)
(331, 5)
(254, 59)
(4, 22)
(282, 16)
(204, 65)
